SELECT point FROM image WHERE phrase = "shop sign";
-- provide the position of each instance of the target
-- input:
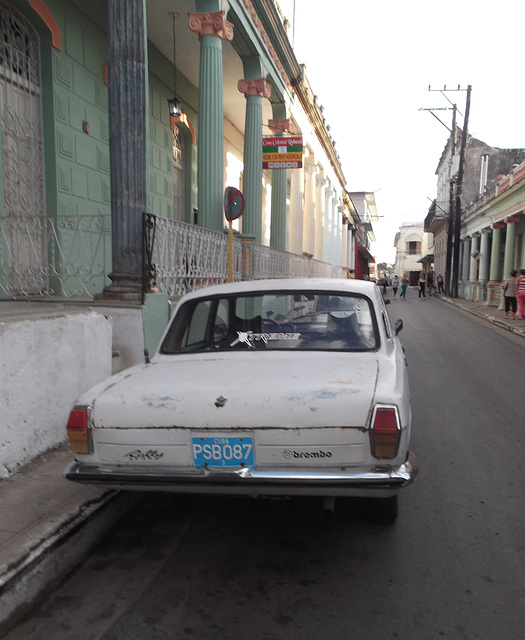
(283, 152)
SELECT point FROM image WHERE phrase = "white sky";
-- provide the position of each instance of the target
(370, 64)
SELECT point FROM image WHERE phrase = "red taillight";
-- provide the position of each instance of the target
(78, 430)
(385, 432)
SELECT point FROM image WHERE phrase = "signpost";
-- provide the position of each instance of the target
(233, 209)
(283, 152)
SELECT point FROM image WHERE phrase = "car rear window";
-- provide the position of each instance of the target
(279, 321)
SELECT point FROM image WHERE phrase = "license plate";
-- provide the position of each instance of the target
(222, 452)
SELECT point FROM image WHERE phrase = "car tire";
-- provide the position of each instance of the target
(382, 510)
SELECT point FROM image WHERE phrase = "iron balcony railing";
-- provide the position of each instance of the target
(181, 257)
(71, 257)
(68, 256)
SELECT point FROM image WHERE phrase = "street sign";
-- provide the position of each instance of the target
(233, 203)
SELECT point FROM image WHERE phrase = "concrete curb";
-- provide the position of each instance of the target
(68, 542)
(504, 324)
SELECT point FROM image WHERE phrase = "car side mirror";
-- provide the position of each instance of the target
(387, 301)
(399, 326)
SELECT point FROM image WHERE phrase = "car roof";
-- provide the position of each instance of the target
(345, 286)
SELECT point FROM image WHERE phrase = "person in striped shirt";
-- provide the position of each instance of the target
(520, 293)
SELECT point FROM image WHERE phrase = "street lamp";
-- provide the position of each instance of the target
(174, 104)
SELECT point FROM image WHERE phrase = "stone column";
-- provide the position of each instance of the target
(474, 249)
(254, 90)
(279, 225)
(338, 229)
(320, 218)
(510, 246)
(494, 256)
(493, 295)
(344, 246)
(484, 257)
(466, 259)
(278, 232)
(296, 212)
(310, 171)
(212, 28)
(128, 137)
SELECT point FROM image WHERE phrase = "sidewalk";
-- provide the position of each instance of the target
(492, 314)
(48, 525)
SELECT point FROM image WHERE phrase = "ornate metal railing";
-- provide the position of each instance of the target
(68, 256)
(71, 256)
(181, 257)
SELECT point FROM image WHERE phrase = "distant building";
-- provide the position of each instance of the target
(484, 166)
(365, 205)
(493, 238)
(409, 244)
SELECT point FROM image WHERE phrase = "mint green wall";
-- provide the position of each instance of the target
(160, 197)
(76, 140)
(76, 132)
(3, 247)
(160, 183)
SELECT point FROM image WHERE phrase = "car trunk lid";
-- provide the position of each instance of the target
(243, 391)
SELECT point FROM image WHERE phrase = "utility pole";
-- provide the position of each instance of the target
(455, 197)
(450, 221)
(459, 198)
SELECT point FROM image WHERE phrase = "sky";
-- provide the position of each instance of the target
(371, 64)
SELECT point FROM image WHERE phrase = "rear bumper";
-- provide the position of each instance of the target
(378, 482)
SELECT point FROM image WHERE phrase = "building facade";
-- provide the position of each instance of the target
(365, 205)
(484, 166)
(89, 144)
(493, 238)
(409, 243)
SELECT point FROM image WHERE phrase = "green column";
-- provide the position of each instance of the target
(493, 291)
(510, 246)
(279, 222)
(212, 29)
(484, 257)
(494, 256)
(278, 228)
(254, 90)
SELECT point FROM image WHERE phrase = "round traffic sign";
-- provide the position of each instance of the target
(233, 203)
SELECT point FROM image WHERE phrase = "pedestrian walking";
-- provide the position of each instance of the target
(404, 285)
(520, 293)
(384, 283)
(441, 288)
(395, 286)
(421, 292)
(509, 294)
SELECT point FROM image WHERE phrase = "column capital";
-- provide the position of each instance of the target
(211, 24)
(255, 87)
(279, 125)
(498, 225)
(512, 219)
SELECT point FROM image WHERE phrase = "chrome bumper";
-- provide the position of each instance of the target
(380, 482)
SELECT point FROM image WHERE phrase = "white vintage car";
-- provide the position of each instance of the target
(273, 387)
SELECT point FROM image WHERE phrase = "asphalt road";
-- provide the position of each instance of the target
(451, 567)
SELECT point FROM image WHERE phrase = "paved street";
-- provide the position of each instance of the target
(451, 567)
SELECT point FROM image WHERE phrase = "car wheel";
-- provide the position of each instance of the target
(383, 510)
